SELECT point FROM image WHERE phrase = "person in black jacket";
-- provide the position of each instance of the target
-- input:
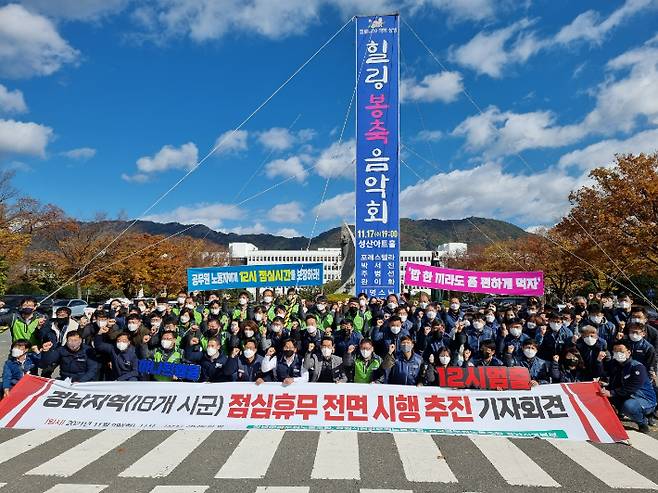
(122, 356)
(76, 360)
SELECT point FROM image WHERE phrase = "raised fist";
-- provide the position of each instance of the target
(46, 346)
(510, 349)
(391, 348)
(350, 349)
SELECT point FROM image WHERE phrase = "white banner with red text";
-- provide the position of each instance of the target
(569, 411)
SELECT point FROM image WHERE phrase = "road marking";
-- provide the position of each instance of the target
(180, 489)
(602, 466)
(512, 463)
(2, 484)
(77, 488)
(164, 458)
(69, 462)
(337, 456)
(283, 489)
(25, 442)
(422, 459)
(370, 490)
(253, 455)
(644, 443)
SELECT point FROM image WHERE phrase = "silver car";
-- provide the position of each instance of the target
(76, 306)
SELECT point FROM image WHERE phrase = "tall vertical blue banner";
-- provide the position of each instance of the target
(377, 267)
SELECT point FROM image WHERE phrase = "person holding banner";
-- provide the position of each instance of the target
(538, 368)
(363, 366)
(20, 362)
(629, 387)
(168, 352)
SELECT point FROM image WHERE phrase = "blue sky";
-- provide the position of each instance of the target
(105, 104)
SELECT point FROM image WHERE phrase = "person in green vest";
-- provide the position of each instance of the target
(323, 316)
(167, 352)
(268, 304)
(243, 311)
(364, 366)
(293, 307)
(26, 324)
(180, 300)
(356, 315)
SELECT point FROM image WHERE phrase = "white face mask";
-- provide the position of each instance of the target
(624, 304)
(243, 301)
(478, 325)
(102, 323)
(596, 319)
(392, 306)
(267, 299)
(633, 336)
(431, 315)
(16, 352)
(248, 353)
(515, 331)
(162, 308)
(530, 353)
(532, 312)
(620, 357)
(258, 317)
(276, 328)
(248, 333)
(155, 325)
(454, 306)
(320, 307)
(403, 318)
(185, 318)
(467, 323)
(636, 320)
(190, 306)
(555, 326)
(490, 318)
(326, 352)
(133, 327)
(181, 300)
(211, 351)
(395, 329)
(122, 346)
(167, 343)
(366, 353)
(214, 311)
(531, 325)
(590, 340)
(444, 360)
(363, 303)
(311, 329)
(423, 305)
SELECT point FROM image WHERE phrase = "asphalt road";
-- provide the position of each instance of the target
(311, 462)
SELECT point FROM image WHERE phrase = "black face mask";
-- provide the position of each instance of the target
(26, 311)
(571, 363)
(437, 334)
(61, 322)
(288, 353)
(353, 310)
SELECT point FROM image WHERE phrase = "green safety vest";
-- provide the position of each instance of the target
(363, 371)
(22, 330)
(158, 357)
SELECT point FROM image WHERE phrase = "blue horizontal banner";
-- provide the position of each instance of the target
(255, 276)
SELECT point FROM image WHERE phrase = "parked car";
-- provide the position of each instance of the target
(77, 306)
(13, 302)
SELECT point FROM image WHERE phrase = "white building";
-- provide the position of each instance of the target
(415, 257)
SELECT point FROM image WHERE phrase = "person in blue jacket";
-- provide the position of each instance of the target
(629, 387)
(478, 332)
(121, 355)
(539, 369)
(75, 359)
(20, 362)
(408, 368)
(214, 364)
(453, 314)
(246, 367)
(641, 350)
(513, 336)
(392, 333)
(557, 337)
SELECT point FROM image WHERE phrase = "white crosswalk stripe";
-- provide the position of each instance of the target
(337, 456)
(180, 489)
(644, 443)
(283, 489)
(607, 469)
(512, 463)
(164, 458)
(76, 488)
(25, 442)
(421, 459)
(80, 456)
(253, 455)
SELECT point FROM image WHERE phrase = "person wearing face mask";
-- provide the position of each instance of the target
(623, 311)
(513, 336)
(358, 317)
(392, 304)
(121, 355)
(362, 365)
(321, 312)
(437, 339)
(21, 361)
(629, 388)
(595, 318)
(249, 330)
(55, 331)
(214, 311)
(311, 333)
(453, 315)
(408, 368)
(346, 336)
(478, 332)
(180, 303)
(276, 334)
(487, 355)
(641, 350)
(592, 349)
(167, 352)
(245, 366)
(407, 324)
(214, 363)
(556, 338)
(569, 367)
(294, 308)
(243, 311)
(538, 368)
(25, 325)
(185, 321)
(325, 367)
(75, 359)
(639, 316)
(390, 335)
(268, 304)
(287, 367)
(490, 322)
(135, 328)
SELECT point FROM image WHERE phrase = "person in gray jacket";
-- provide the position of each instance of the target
(325, 367)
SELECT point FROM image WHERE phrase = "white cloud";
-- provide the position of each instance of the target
(211, 215)
(488, 191)
(341, 206)
(30, 44)
(463, 10)
(603, 153)
(280, 139)
(442, 86)
(292, 167)
(500, 133)
(429, 135)
(254, 229)
(85, 10)
(337, 161)
(11, 101)
(290, 212)
(24, 138)
(136, 178)
(288, 232)
(80, 154)
(231, 141)
(588, 26)
(169, 157)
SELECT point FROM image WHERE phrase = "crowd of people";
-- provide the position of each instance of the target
(397, 340)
